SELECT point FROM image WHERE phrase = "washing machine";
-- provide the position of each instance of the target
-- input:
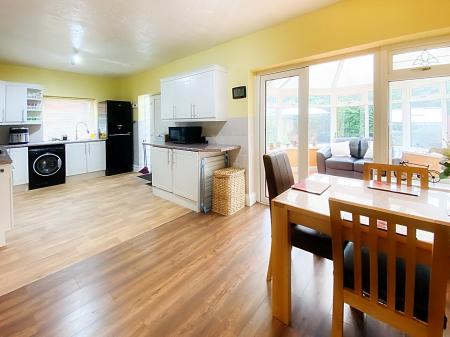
(46, 165)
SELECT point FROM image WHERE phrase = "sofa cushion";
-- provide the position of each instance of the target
(354, 146)
(340, 163)
(363, 147)
(340, 148)
(358, 165)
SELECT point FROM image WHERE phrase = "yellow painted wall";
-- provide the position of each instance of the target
(344, 25)
(64, 84)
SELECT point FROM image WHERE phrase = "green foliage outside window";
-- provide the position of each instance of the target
(371, 120)
(350, 121)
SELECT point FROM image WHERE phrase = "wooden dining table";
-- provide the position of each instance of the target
(312, 210)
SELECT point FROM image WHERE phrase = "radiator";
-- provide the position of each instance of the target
(207, 167)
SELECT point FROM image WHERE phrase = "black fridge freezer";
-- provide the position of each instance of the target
(115, 124)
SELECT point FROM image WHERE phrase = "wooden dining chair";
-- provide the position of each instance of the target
(279, 178)
(392, 277)
(399, 173)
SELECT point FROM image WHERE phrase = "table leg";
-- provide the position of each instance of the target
(281, 265)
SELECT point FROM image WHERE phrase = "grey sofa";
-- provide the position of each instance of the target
(344, 166)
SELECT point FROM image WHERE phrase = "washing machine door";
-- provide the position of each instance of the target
(47, 165)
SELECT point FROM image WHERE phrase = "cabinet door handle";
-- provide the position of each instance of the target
(23, 115)
(195, 115)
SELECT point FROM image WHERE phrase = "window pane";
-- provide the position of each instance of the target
(448, 87)
(350, 99)
(426, 124)
(421, 58)
(370, 96)
(316, 100)
(419, 123)
(425, 91)
(396, 124)
(396, 94)
(319, 126)
(350, 121)
(282, 118)
(60, 116)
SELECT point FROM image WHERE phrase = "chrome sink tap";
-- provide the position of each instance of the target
(76, 129)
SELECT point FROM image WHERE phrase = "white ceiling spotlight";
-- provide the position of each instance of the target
(76, 58)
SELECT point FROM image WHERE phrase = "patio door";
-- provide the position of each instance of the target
(284, 120)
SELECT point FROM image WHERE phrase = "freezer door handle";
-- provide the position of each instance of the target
(120, 134)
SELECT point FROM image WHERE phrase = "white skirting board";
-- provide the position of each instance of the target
(192, 205)
(250, 199)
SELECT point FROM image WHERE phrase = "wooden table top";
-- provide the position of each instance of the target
(430, 204)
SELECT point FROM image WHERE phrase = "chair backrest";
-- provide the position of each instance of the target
(361, 225)
(377, 171)
(279, 175)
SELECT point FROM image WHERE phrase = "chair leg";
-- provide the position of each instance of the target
(337, 327)
(269, 268)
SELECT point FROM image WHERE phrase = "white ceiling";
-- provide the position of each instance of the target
(116, 37)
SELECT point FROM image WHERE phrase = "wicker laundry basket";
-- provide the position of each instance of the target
(228, 190)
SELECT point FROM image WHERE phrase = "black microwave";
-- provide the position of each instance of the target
(185, 134)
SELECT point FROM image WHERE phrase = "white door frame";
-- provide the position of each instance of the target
(146, 124)
(303, 94)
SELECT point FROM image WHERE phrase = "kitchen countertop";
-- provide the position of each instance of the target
(52, 142)
(4, 158)
(195, 147)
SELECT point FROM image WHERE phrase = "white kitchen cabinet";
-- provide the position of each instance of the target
(183, 108)
(194, 96)
(202, 95)
(185, 177)
(16, 103)
(167, 105)
(185, 168)
(76, 159)
(96, 156)
(85, 157)
(19, 157)
(2, 102)
(161, 168)
(6, 202)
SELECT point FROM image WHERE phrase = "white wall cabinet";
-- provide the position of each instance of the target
(161, 168)
(19, 157)
(196, 96)
(185, 168)
(2, 102)
(6, 202)
(85, 158)
(20, 103)
(16, 103)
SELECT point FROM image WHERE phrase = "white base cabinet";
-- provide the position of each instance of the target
(6, 202)
(85, 158)
(161, 168)
(176, 175)
(19, 157)
(185, 175)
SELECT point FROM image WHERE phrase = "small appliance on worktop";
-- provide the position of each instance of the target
(186, 134)
(115, 124)
(19, 136)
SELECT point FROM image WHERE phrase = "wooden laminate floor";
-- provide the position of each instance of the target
(61, 225)
(199, 275)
